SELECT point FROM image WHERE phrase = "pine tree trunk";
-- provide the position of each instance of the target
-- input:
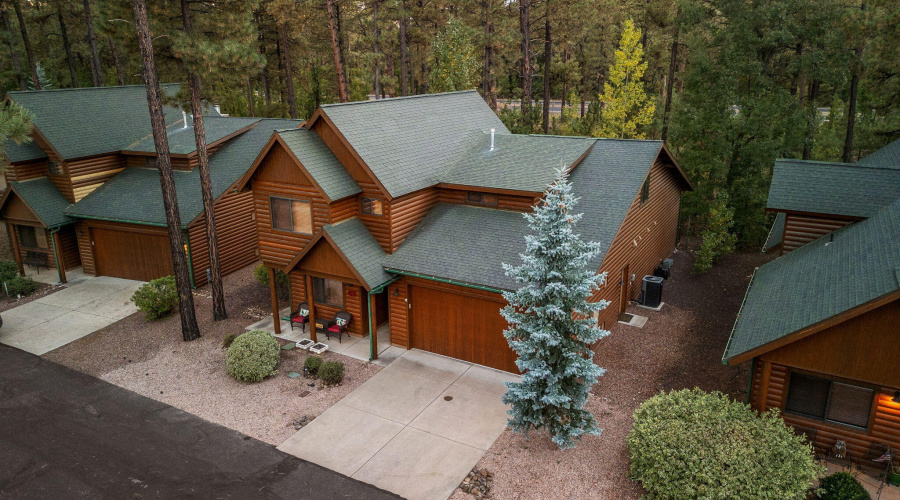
(375, 49)
(336, 44)
(525, 30)
(189, 329)
(67, 45)
(96, 67)
(209, 213)
(29, 53)
(812, 118)
(14, 55)
(404, 51)
(670, 83)
(851, 106)
(288, 71)
(120, 76)
(548, 58)
(250, 97)
(488, 85)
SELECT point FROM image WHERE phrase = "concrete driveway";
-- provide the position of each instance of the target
(83, 307)
(416, 428)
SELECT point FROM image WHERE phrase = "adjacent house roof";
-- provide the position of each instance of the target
(886, 156)
(89, 121)
(135, 195)
(320, 162)
(857, 264)
(181, 138)
(360, 248)
(44, 200)
(25, 151)
(517, 162)
(408, 141)
(463, 243)
(776, 233)
(848, 189)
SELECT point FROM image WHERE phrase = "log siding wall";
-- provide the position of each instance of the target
(25, 170)
(87, 174)
(354, 297)
(235, 234)
(802, 229)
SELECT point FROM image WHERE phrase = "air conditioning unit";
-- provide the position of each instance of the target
(651, 291)
(665, 269)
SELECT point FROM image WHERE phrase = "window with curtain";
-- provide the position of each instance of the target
(291, 215)
(371, 206)
(829, 400)
(329, 292)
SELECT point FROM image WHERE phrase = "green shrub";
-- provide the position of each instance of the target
(228, 340)
(312, 364)
(693, 444)
(8, 270)
(253, 356)
(21, 286)
(842, 486)
(261, 273)
(157, 298)
(717, 240)
(332, 372)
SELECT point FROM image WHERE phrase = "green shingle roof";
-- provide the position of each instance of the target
(361, 249)
(135, 195)
(320, 162)
(827, 277)
(47, 202)
(89, 121)
(181, 139)
(849, 189)
(776, 233)
(407, 142)
(23, 151)
(518, 162)
(887, 156)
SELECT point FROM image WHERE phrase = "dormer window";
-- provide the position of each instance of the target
(476, 198)
(371, 206)
(54, 168)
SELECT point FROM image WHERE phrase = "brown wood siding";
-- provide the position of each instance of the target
(324, 261)
(25, 170)
(16, 211)
(87, 174)
(646, 237)
(398, 312)
(235, 234)
(801, 229)
(378, 225)
(354, 295)
(85, 249)
(504, 201)
(344, 209)
(407, 211)
(68, 243)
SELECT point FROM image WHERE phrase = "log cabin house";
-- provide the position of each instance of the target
(820, 324)
(85, 193)
(403, 210)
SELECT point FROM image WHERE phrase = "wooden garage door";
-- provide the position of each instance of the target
(462, 326)
(134, 255)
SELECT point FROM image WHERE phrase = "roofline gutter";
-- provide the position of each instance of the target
(373, 351)
(738, 318)
(444, 280)
(124, 221)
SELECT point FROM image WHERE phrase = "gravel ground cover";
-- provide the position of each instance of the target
(151, 359)
(680, 347)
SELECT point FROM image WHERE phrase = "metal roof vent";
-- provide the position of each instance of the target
(492, 139)
(184, 118)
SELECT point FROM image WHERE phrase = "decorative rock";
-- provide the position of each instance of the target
(478, 483)
(302, 421)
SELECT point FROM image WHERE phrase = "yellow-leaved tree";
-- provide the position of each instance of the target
(626, 106)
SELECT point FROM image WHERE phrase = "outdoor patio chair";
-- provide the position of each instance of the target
(341, 320)
(877, 463)
(300, 316)
(810, 434)
(36, 260)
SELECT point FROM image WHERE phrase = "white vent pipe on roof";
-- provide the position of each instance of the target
(184, 118)
(492, 139)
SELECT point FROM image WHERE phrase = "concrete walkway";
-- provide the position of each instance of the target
(416, 428)
(86, 305)
(64, 434)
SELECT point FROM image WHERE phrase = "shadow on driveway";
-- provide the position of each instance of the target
(64, 434)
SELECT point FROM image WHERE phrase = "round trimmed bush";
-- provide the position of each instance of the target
(332, 372)
(157, 298)
(228, 340)
(693, 444)
(8, 270)
(841, 486)
(253, 356)
(21, 286)
(312, 364)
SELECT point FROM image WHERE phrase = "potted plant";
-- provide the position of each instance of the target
(894, 476)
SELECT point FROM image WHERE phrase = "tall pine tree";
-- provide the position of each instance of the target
(551, 322)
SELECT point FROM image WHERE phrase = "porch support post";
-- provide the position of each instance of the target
(60, 259)
(274, 290)
(373, 335)
(14, 241)
(312, 309)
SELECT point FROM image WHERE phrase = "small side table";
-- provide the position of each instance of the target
(323, 324)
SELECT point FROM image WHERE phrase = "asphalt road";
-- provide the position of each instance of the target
(64, 434)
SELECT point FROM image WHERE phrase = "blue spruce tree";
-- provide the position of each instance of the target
(551, 323)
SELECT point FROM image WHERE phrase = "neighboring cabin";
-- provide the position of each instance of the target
(86, 191)
(820, 323)
(403, 210)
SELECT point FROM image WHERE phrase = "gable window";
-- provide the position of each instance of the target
(291, 215)
(54, 168)
(371, 206)
(829, 400)
(32, 237)
(645, 190)
(476, 198)
(328, 292)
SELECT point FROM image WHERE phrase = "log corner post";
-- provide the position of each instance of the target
(273, 287)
